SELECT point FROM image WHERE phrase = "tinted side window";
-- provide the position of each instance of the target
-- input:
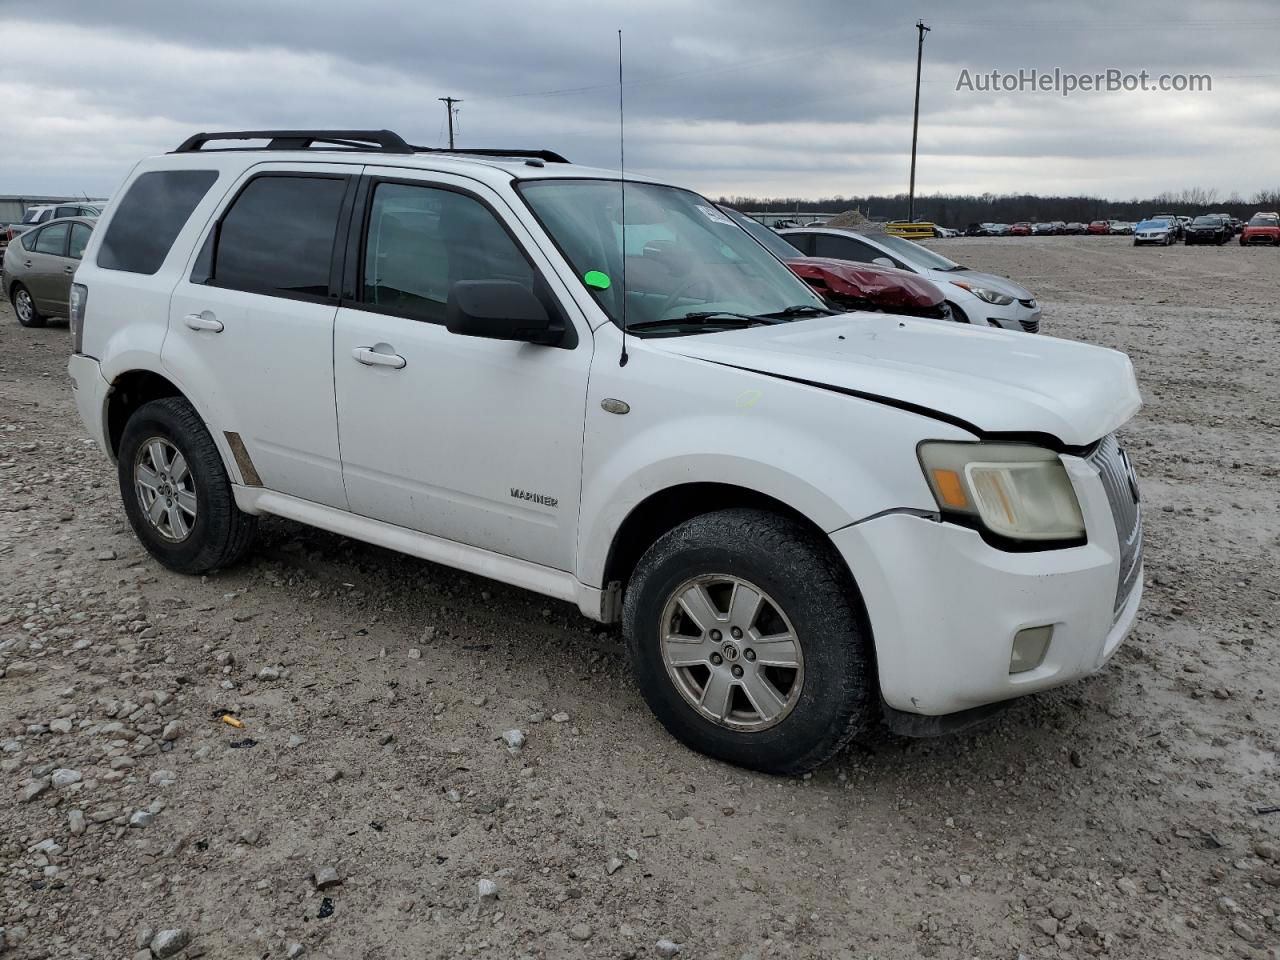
(53, 240)
(277, 237)
(79, 240)
(801, 241)
(65, 211)
(844, 248)
(422, 240)
(149, 218)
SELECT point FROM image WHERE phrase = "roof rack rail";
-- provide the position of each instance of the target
(382, 140)
(549, 156)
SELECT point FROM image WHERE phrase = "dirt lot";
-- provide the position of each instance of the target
(1115, 817)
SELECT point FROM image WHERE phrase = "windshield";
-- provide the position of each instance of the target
(771, 241)
(1153, 224)
(915, 254)
(1206, 221)
(682, 254)
(32, 216)
(1264, 220)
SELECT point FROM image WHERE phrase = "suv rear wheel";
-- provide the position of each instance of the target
(746, 641)
(25, 307)
(176, 491)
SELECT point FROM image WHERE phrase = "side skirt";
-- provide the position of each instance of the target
(591, 601)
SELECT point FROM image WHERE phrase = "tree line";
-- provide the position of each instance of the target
(959, 210)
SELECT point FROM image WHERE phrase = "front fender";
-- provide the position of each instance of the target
(833, 458)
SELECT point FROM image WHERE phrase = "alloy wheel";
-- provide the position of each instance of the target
(166, 490)
(23, 306)
(732, 652)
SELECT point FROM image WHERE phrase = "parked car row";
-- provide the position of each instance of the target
(805, 521)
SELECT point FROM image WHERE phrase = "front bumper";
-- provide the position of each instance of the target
(90, 390)
(1021, 315)
(944, 606)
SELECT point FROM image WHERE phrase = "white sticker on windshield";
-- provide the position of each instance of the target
(714, 215)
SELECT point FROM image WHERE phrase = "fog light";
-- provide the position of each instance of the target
(1029, 648)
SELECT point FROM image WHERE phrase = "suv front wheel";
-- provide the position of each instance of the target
(176, 491)
(747, 642)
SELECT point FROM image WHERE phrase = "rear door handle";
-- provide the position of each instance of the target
(373, 357)
(203, 321)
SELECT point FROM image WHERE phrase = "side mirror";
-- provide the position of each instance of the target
(883, 261)
(500, 310)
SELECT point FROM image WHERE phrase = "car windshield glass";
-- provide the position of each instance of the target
(682, 255)
(1265, 220)
(775, 244)
(1205, 221)
(1154, 224)
(914, 254)
(31, 216)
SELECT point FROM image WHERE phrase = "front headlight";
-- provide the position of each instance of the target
(1014, 490)
(988, 296)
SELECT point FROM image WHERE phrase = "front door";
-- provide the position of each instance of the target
(47, 276)
(474, 440)
(251, 325)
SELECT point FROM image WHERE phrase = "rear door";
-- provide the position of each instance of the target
(251, 323)
(46, 268)
(474, 440)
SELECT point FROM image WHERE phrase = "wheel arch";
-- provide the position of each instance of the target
(132, 388)
(666, 509)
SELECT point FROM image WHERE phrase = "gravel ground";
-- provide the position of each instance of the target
(369, 807)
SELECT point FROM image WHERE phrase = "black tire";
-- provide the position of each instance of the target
(805, 578)
(958, 315)
(221, 534)
(20, 295)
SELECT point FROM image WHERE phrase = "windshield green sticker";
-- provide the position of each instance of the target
(597, 279)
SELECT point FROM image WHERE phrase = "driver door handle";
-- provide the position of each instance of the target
(374, 358)
(203, 321)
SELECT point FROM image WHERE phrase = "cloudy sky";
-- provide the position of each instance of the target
(739, 97)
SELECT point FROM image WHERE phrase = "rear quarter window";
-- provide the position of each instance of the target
(149, 218)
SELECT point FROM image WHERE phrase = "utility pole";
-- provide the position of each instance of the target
(915, 123)
(450, 101)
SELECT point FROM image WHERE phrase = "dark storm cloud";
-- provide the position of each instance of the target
(805, 98)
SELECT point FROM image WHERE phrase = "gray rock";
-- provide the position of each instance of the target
(295, 742)
(76, 823)
(1048, 926)
(172, 730)
(61, 725)
(580, 932)
(20, 668)
(1244, 931)
(1127, 887)
(34, 789)
(560, 717)
(326, 877)
(163, 778)
(1060, 909)
(62, 777)
(514, 739)
(666, 948)
(486, 890)
(1267, 851)
(166, 943)
(269, 673)
(613, 866)
(142, 819)
(294, 950)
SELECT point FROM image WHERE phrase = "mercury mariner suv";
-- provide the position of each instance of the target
(608, 392)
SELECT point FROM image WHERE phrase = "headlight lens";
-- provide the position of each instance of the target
(988, 296)
(1015, 490)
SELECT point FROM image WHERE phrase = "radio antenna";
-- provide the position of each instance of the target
(622, 171)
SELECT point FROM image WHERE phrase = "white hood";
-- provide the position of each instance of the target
(998, 381)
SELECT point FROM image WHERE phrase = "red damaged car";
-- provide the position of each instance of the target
(1261, 228)
(852, 286)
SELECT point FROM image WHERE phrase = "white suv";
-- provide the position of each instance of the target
(804, 520)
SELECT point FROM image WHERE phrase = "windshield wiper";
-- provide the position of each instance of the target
(701, 317)
(801, 310)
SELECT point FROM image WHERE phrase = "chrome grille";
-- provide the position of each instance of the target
(1121, 485)
(1031, 326)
